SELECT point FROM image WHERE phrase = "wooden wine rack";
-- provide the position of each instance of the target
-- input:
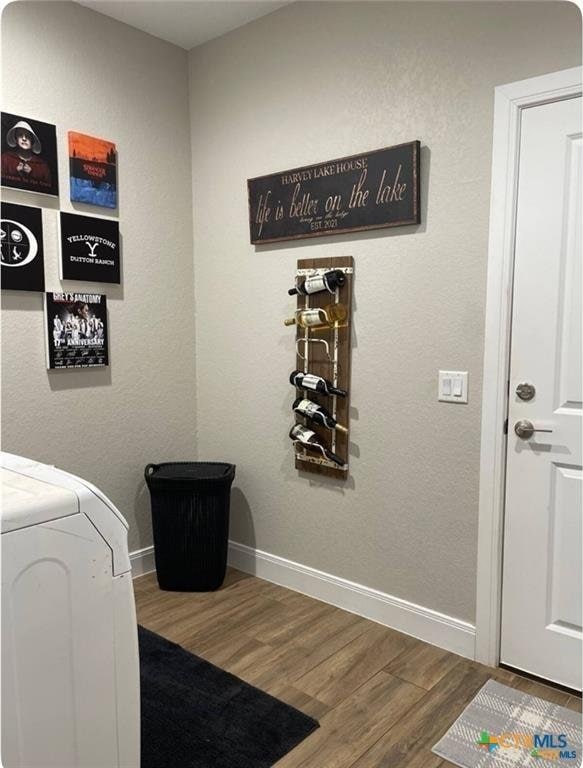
(331, 360)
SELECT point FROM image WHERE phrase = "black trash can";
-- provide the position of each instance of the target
(190, 520)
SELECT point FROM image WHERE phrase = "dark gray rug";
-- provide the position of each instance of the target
(195, 715)
(505, 728)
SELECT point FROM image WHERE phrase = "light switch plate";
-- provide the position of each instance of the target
(453, 387)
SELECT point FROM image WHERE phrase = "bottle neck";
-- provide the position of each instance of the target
(332, 457)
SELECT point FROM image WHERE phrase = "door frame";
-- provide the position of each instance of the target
(509, 101)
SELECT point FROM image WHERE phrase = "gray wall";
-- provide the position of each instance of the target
(82, 71)
(309, 83)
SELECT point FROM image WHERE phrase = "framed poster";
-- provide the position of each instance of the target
(89, 249)
(23, 266)
(92, 170)
(369, 191)
(29, 155)
(76, 330)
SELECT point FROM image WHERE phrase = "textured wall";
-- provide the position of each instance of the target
(309, 83)
(82, 71)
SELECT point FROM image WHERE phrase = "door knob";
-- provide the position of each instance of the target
(525, 429)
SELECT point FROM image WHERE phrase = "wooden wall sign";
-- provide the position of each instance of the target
(369, 191)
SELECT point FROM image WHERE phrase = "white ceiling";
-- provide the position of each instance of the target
(186, 24)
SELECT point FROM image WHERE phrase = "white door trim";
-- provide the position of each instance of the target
(509, 102)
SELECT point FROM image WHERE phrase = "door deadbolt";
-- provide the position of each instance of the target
(525, 391)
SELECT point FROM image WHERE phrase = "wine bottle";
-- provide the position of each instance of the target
(319, 317)
(317, 413)
(310, 439)
(315, 383)
(329, 281)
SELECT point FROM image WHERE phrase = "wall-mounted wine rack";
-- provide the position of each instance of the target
(326, 352)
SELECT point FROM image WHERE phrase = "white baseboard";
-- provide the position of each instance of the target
(436, 628)
(142, 561)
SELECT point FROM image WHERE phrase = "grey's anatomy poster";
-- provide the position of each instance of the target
(76, 330)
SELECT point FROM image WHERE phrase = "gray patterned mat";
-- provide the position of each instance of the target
(505, 728)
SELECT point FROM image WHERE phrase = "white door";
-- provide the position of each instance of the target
(541, 588)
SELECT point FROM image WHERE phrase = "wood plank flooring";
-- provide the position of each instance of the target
(383, 699)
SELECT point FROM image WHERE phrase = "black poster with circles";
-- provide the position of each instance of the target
(22, 248)
(29, 155)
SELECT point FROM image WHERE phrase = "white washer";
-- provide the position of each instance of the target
(70, 665)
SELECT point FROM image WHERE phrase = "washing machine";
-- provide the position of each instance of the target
(70, 665)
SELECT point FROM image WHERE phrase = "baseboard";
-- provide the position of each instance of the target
(436, 628)
(142, 561)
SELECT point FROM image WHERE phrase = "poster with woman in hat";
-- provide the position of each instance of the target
(29, 155)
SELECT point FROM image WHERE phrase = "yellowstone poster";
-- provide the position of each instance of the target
(89, 248)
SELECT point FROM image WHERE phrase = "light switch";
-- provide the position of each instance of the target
(453, 387)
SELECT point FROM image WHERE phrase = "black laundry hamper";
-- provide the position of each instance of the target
(190, 520)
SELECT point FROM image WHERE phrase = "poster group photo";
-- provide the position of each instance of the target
(76, 330)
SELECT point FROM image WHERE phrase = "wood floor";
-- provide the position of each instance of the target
(382, 698)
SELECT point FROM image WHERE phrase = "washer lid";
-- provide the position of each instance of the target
(27, 501)
(90, 501)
